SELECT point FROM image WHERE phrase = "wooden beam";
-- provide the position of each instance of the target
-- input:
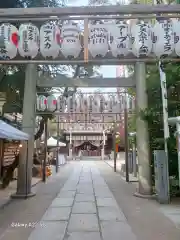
(100, 10)
(62, 81)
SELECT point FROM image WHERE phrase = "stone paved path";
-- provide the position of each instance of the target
(85, 209)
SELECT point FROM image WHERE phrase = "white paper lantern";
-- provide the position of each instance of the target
(37, 104)
(41, 103)
(102, 103)
(80, 102)
(70, 104)
(96, 104)
(110, 104)
(163, 38)
(61, 104)
(85, 103)
(8, 35)
(176, 30)
(98, 40)
(115, 104)
(119, 39)
(51, 103)
(28, 40)
(90, 103)
(141, 39)
(49, 40)
(71, 43)
(77, 103)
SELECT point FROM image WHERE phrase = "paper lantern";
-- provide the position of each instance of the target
(61, 104)
(49, 40)
(28, 40)
(85, 103)
(90, 103)
(141, 39)
(51, 103)
(79, 100)
(110, 104)
(9, 41)
(70, 104)
(119, 39)
(96, 104)
(41, 103)
(71, 40)
(102, 103)
(98, 40)
(80, 107)
(114, 104)
(163, 38)
(176, 30)
(77, 103)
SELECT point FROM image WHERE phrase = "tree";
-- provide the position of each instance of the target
(11, 4)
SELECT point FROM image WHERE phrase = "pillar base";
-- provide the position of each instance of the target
(22, 196)
(145, 196)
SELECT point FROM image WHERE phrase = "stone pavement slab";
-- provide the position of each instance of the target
(103, 192)
(110, 214)
(84, 198)
(50, 231)
(83, 222)
(172, 211)
(106, 202)
(62, 202)
(84, 190)
(69, 187)
(116, 231)
(57, 214)
(66, 194)
(84, 207)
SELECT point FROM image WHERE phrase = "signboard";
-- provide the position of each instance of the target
(164, 101)
(161, 176)
(10, 152)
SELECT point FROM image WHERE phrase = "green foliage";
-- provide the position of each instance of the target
(154, 113)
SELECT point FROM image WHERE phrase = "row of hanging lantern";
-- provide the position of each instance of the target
(79, 103)
(28, 40)
(139, 38)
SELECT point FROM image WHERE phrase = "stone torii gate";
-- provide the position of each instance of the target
(86, 13)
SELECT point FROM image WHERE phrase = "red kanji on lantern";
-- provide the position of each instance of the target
(59, 39)
(15, 38)
(54, 102)
(45, 101)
